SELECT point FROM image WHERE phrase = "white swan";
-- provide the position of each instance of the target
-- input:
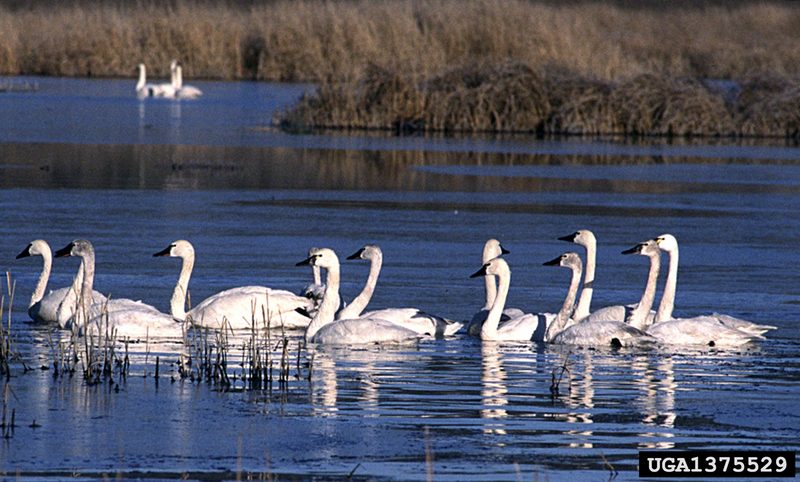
(518, 328)
(182, 91)
(587, 239)
(235, 308)
(131, 319)
(323, 329)
(45, 308)
(491, 249)
(601, 332)
(145, 89)
(714, 330)
(411, 318)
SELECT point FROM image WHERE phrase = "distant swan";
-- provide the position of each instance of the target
(587, 239)
(145, 89)
(411, 318)
(132, 319)
(182, 91)
(45, 308)
(714, 329)
(236, 308)
(491, 249)
(518, 328)
(324, 330)
(599, 332)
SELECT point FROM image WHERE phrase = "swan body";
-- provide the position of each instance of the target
(526, 327)
(324, 329)
(145, 89)
(564, 331)
(182, 91)
(132, 319)
(669, 244)
(491, 249)
(235, 308)
(410, 318)
(45, 307)
(587, 239)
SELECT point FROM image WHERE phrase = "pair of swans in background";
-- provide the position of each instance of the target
(715, 329)
(175, 89)
(351, 325)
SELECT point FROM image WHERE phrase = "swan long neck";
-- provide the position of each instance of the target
(330, 303)
(668, 298)
(585, 301)
(491, 291)
(315, 272)
(142, 78)
(177, 78)
(69, 305)
(86, 289)
(638, 318)
(357, 306)
(489, 328)
(563, 319)
(177, 304)
(41, 285)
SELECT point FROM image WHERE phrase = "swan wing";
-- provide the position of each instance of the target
(240, 306)
(701, 330)
(188, 92)
(418, 321)
(137, 323)
(521, 328)
(743, 325)
(601, 333)
(476, 323)
(363, 331)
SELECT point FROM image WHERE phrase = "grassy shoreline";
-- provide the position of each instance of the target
(589, 67)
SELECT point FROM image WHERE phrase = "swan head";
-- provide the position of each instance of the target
(495, 266)
(368, 252)
(322, 257)
(37, 247)
(178, 249)
(173, 65)
(493, 249)
(79, 247)
(583, 237)
(646, 248)
(567, 260)
(668, 243)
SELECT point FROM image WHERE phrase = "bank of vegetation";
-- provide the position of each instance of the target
(512, 65)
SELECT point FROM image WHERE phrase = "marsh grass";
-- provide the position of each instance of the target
(318, 40)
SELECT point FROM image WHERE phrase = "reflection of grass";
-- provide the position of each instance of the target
(314, 40)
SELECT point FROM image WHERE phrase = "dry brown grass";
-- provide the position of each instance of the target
(318, 40)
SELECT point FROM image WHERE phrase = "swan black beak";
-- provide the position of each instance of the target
(553, 262)
(165, 251)
(634, 250)
(65, 251)
(303, 312)
(25, 252)
(569, 238)
(306, 262)
(504, 250)
(356, 255)
(480, 272)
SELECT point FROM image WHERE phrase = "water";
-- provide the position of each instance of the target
(252, 200)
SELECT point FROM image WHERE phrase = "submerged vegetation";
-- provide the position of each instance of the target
(578, 68)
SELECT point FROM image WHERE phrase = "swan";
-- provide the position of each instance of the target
(564, 331)
(45, 308)
(314, 290)
(145, 89)
(411, 318)
(131, 319)
(182, 91)
(235, 308)
(518, 328)
(491, 249)
(587, 239)
(324, 330)
(713, 330)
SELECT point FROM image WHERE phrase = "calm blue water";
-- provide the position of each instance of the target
(86, 159)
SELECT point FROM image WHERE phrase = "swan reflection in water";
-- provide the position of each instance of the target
(494, 392)
(357, 373)
(657, 400)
